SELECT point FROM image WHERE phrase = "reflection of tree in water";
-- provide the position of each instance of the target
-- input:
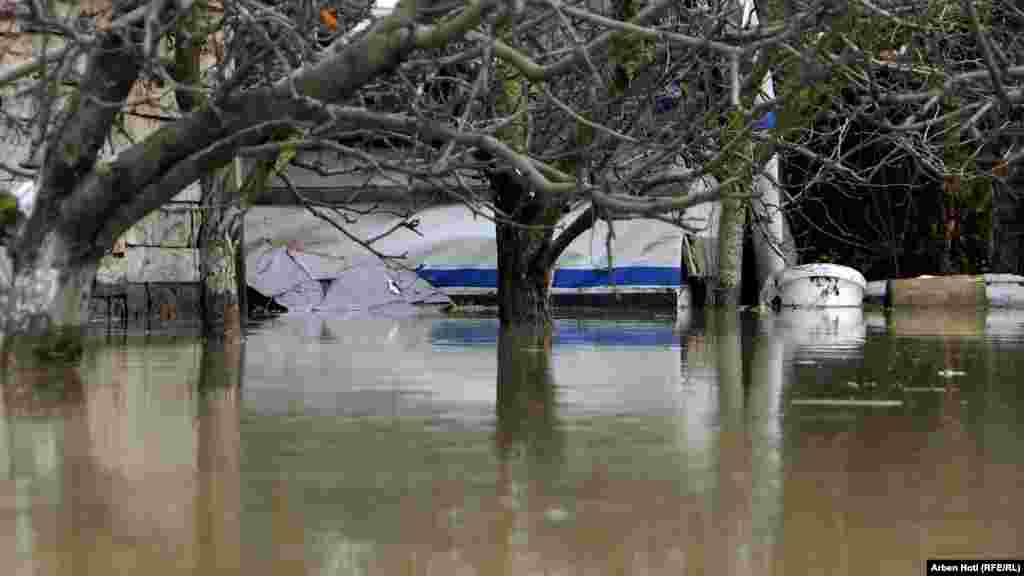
(222, 366)
(731, 537)
(526, 411)
(527, 433)
(219, 508)
(38, 386)
(36, 395)
(138, 481)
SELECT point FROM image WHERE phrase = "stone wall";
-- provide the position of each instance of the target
(145, 304)
(152, 274)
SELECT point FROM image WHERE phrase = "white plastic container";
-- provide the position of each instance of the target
(814, 286)
(1004, 290)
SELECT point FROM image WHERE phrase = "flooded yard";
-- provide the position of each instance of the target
(805, 442)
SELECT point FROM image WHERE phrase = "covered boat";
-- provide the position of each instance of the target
(644, 264)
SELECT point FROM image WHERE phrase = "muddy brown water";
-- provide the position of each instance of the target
(840, 442)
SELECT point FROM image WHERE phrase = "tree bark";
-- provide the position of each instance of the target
(524, 241)
(732, 223)
(51, 265)
(221, 234)
(523, 293)
(225, 198)
(52, 291)
(524, 271)
(220, 240)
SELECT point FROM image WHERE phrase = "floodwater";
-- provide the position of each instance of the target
(814, 442)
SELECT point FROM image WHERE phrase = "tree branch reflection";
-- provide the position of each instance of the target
(527, 418)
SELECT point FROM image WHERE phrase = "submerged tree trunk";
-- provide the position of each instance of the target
(50, 292)
(49, 265)
(524, 274)
(524, 239)
(226, 197)
(733, 220)
(221, 233)
(220, 240)
(522, 291)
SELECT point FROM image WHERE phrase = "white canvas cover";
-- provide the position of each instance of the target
(284, 275)
(273, 271)
(302, 297)
(301, 281)
(368, 283)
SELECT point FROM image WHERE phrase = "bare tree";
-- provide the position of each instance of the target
(901, 144)
(620, 106)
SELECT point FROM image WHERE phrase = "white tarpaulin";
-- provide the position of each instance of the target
(367, 283)
(274, 271)
(301, 281)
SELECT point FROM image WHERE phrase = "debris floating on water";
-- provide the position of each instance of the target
(947, 373)
(841, 402)
(556, 515)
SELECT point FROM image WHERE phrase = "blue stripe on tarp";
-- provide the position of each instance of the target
(460, 277)
(625, 276)
(469, 332)
(564, 277)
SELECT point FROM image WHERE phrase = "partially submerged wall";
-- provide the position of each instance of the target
(152, 274)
